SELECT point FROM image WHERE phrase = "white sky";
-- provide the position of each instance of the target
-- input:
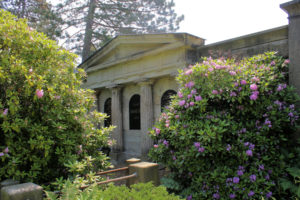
(217, 20)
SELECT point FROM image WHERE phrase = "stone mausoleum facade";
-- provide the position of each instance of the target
(134, 75)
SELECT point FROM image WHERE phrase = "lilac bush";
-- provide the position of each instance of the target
(225, 128)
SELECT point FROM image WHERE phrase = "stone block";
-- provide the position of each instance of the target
(25, 191)
(146, 172)
(133, 160)
(7, 182)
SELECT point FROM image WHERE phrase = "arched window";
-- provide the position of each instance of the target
(166, 98)
(107, 110)
(134, 112)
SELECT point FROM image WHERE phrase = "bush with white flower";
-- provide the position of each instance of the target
(45, 117)
(222, 134)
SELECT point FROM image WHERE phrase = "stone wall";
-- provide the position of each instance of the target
(270, 40)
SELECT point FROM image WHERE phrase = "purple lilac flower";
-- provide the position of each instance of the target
(5, 111)
(273, 63)
(261, 167)
(201, 149)
(228, 148)
(193, 92)
(155, 146)
(291, 114)
(177, 116)
(6, 150)
(198, 98)
(236, 179)
(255, 79)
(252, 178)
(253, 87)
(246, 144)
(188, 72)
(232, 94)
(215, 92)
(268, 123)
(279, 88)
(187, 105)
(292, 106)
(190, 84)
(253, 96)
(236, 84)
(232, 73)
(243, 82)
(166, 143)
(210, 69)
(232, 196)
(180, 95)
(251, 146)
(157, 130)
(1, 154)
(216, 196)
(267, 177)
(249, 153)
(287, 61)
(190, 197)
(197, 144)
(192, 103)
(251, 193)
(189, 96)
(181, 103)
(269, 194)
(240, 172)
(174, 157)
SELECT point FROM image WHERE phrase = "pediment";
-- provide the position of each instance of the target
(126, 47)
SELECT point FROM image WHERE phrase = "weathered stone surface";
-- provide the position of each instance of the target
(275, 39)
(293, 10)
(117, 120)
(8, 182)
(133, 160)
(25, 191)
(146, 172)
(147, 116)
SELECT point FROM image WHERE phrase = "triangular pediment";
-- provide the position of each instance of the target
(126, 47)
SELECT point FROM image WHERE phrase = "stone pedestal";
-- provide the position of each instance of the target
(147, 116)
(146, 172)
(22, 192)
(117, 120)
(292, 8)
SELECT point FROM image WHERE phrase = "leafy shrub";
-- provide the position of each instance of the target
(45, 116)
(222, 134)
(290, 181)
(141, 191)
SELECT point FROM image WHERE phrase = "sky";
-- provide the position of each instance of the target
(218, 20)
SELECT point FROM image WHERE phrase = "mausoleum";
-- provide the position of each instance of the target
(134, 75)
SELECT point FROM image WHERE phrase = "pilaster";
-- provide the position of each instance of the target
(147, 115)
(117, 120)
(292, 8)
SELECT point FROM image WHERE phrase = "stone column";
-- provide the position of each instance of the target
(117, 119)
(98, 93)
(147, 118)
(292, 8)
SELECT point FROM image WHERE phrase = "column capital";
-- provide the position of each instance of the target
(292, 8)
(145, 82)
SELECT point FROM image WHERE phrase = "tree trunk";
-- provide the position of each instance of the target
(87, 42)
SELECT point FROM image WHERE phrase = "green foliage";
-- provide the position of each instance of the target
(40, 15)
(47, 122)
(290, 182)
(141, 191)
(222, 134)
